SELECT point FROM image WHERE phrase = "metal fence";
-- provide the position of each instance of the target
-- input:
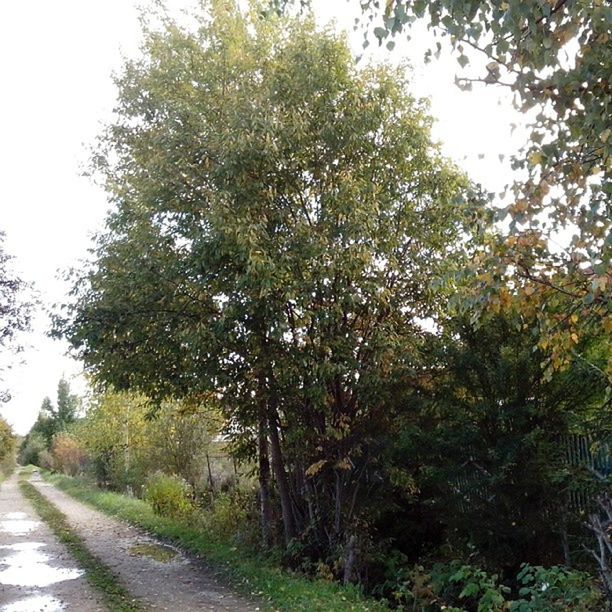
(588, 454)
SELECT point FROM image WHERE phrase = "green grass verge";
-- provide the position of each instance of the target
(117, 598)
(244, 570)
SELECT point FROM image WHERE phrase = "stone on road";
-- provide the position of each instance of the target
(36, 570)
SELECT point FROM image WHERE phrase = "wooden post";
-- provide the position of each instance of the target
(210, 476)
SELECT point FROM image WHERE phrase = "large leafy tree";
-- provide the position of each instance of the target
(555, 58)
(280, 217)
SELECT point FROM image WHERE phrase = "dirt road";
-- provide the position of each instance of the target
(37, 573)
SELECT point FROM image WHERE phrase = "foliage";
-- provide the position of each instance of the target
(168, 495)
(15, 309)
(498, 438)
(8, 446)
(68, 455)
(555, 59)
(53, 420)
(556, 588)
(32, 446)
(7, 440)
(126, 439)
(279, 217)
(231, 516)
(462, 587)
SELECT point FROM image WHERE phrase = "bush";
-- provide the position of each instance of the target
(45, 460)
(460, 587)
(556, 588)
(33, 444)
(69, 457)
(169, 496)
(232, 515)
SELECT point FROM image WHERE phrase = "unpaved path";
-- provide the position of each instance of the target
(178, 583)
(36, 570)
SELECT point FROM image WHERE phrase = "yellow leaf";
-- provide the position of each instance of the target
(315, 468)
(535, 158)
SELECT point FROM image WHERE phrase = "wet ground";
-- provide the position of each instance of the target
(36, 571)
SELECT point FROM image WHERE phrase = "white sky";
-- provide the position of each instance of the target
(56, 60)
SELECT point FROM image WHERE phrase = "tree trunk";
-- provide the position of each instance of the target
(281, 478)
(338, 504)
(567, 558)
(264, 480)
(349, 564)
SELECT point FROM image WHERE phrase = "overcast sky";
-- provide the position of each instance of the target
(56, 61)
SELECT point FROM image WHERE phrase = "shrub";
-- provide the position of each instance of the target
(169, 496)
(33, 444)
(458, 587)
(69, 457)
(232, 514)
(45, 460)
(469, 587)
(556, 588)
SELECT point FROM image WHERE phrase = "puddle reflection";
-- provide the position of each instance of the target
(18, 526)
(27, 566)
(15, 516)
(34, 604)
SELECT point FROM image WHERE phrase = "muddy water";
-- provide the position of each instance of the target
(36, 571)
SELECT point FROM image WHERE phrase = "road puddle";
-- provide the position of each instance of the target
(159, 552)
(35, 603)
(26, 565)
(15, 516)
(18, 527)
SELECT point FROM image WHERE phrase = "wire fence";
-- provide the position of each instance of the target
(589, 455)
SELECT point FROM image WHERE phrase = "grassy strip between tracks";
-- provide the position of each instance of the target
(116, 597)
(243, 569)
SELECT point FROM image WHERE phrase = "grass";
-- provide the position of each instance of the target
(99, 575)
(244, 570)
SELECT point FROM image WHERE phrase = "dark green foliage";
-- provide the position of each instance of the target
(488, 452)
(466, 588)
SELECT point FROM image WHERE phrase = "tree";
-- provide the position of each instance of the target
(67, 405)
(555, 59)
(127, 440)
(280, 217)
(14, 309)
(52, 419)
(8, 444)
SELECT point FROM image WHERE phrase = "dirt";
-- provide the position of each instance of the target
(159, 576)
(36, 570)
